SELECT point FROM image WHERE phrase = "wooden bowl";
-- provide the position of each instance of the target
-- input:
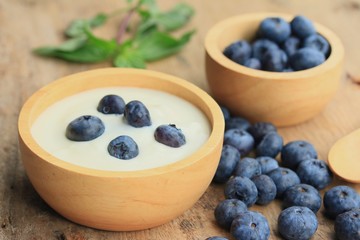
(116, 200)
(283, 98)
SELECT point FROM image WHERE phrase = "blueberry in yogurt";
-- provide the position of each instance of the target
(169, 135)
(85, 128)
(136, 114)
(123, 147)
(111, 104)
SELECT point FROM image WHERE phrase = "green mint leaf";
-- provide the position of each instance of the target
(129, 57)
(76, 27)
(157, 45)
(67, 46)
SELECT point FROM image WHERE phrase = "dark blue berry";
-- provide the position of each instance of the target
(302, 195)
(111, 104)
(266, 189)
(297, 223)
(274, 28)
(123, 147)
(216, 238)
(267, 164)
(241, 188)
(237, 122)
(340, 199)
(306, 58)
(261, 46)
(227, 210)
(239, 139)
(230, 156)
(259, 129)
(238, 51)
(291, 45)
(270, 145)
(169, 135)
(85, 128)
(283, 179)
(226, 112)
(250, 225)
(136, 114)
(275, 61)
(253, 63)
(247, 167)
(317, 42)
(308, 169)
(302, 27)
(296, 151)
(347, 225)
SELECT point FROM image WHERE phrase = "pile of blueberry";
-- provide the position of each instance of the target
(251, 174)
(281, 46)
(135, 113)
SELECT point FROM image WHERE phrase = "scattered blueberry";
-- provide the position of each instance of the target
(314, 172)
(267, 164)
(227, 210)
(340, 199)
(259, 129)
(317, 42)
(261, 46)
(238, 51)
(270, 145)
(347, 225)
(297, 223)
(283, 179)
(296, 151)
(253, 63)
(169, 135)
(237, 122)
(302, 195)
(306, 58)
(226, 112)
(123, 147)
(302, 27)
(136, 114)
(85, 128)
(250, 225)
(241, 188)
(275, 61)
(247, 167)
(266, 189)
(239, 139)
(274, 28)
(216, 238)
(291, 45)
(111, 104)
(230, 156)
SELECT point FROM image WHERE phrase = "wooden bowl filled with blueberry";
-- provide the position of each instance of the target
(120, 149)
(273, 67)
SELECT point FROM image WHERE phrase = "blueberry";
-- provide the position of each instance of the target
(283, 179)
(230, 156)
(261, 46)
(297, 223)
(275, 61)
(291, 45)
(347, 225)
(247, 167)
(266, 189)
(306, 58)
(216, 238)
(253, 63)
(296, 151)
(136, 114)
(85, 128)
(259, 129)
(169, 135)
(302, 27)
(123, 147)
(238, 51)
(270, 145)
(241, 188)
(111, 104)
(314, 167)
(340, 199)
(250, 225)
(274, 28)
(227, 210)
(239, 139)
(237, 122)
(317, 42)
(302, 195)
(267, 164)
(226, 112)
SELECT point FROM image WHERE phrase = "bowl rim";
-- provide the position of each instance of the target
(216, 121)
(214, 33)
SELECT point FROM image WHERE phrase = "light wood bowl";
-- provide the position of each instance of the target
(115, 200)
(284, 98)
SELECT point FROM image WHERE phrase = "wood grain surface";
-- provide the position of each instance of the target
(25, 24)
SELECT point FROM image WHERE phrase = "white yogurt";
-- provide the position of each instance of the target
(49, 129)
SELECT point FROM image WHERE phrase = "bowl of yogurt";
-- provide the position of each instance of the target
(108, 183)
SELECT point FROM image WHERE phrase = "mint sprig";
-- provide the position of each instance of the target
(149, 41)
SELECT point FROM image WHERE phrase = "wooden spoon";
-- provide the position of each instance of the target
(344, 157)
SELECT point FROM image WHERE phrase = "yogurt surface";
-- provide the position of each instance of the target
(49, 129)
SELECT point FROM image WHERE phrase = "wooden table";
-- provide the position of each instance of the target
(25, 24)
